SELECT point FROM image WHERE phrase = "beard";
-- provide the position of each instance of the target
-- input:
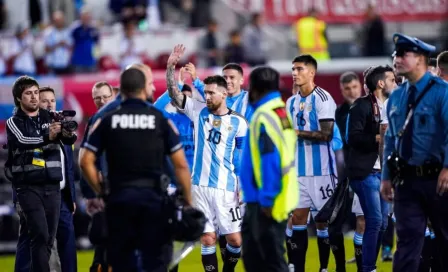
(30, 108)
(213, 107)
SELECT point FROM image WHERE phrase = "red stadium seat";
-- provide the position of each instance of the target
(106, 63)
(161, 61)
(41, 67)
(9, 66)
(148, 61)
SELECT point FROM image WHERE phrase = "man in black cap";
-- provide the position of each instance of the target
(415, 170)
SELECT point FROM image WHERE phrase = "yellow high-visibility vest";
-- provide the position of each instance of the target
(311, 39)
(278, 125)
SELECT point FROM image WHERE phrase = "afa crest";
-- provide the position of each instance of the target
(302, 106)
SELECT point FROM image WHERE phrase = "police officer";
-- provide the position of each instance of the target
(268, 179)
(415, 170)
(136, 139)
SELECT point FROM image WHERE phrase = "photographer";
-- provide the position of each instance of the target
(35, 167)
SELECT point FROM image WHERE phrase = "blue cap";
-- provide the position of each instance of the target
(404, 42)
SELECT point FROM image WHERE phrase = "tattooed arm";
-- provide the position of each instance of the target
(324, 135)
(173, 90)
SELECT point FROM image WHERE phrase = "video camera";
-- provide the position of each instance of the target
(60, 116)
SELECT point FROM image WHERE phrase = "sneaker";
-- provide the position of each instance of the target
(387, 255)
(323, 270)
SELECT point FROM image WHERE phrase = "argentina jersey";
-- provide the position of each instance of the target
(313, 158)
(240, 104)
(216, 139)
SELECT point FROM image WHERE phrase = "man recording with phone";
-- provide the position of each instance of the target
(35, 167)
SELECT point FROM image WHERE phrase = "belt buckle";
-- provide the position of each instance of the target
(419, 171)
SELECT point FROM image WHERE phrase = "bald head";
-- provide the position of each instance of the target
(150, 88)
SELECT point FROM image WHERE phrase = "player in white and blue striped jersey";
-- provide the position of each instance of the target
(313, 114)
(237, 98)
(219, 132)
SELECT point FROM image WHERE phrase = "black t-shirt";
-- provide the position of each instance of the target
(136, 139)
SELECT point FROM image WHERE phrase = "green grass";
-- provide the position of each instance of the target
(193, 261)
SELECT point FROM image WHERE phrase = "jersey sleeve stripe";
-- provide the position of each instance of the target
(176, 147)
(22, 139)
(322, 94)
(91, 147)
(326, 119)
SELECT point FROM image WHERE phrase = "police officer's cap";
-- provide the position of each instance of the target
(191, 226)
(412, 44)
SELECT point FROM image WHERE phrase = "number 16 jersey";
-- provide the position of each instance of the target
(216, 139)
(313, 158)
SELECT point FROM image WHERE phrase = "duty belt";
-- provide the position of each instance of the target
(431, 170)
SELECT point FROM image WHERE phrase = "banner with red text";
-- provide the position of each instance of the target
(344, 11)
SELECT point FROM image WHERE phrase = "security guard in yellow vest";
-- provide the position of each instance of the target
(311, 36)
(268, 178)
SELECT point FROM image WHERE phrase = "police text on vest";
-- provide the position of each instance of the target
(133, 121)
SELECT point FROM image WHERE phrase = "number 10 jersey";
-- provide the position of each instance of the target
(216, 138)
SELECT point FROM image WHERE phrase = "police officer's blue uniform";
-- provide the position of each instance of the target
(135, 209)
(422, 150)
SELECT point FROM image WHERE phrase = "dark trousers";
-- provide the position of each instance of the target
(39, 215)
(263, 242)
(415, 202)
(138, 226)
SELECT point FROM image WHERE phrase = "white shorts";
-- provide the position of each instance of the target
(315, 192)
(356, 206)
(220, 207)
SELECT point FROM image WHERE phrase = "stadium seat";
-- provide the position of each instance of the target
(106, 63)
(41, 67)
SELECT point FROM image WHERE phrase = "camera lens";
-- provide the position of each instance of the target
(70, 125)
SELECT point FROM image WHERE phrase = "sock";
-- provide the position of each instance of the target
(288, 244)
(357, 240)
(231, 258)
(338, 248)
(425, 257)
(323, 244)
(209, 259)
(222, 246)
(298, 244)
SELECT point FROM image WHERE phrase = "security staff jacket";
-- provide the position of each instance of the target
(33, 159)
(136, 138)
(430, 123)
(363, 124)
(269, 173)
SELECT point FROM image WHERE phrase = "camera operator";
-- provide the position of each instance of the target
(35, 167)
(135, 205)
(65, 258)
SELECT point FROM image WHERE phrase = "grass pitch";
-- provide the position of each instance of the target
(193, 261)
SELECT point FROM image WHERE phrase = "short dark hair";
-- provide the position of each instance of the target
(307, 59)
(46, 89)
(20, 85)
(442, 61)
(132, 81)
(233, 66)
(186, 88)
(116, 90)
(375, 74)
(348, 77)
(234, 33)
(432, 62)
(264, 79)
(217, 79)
